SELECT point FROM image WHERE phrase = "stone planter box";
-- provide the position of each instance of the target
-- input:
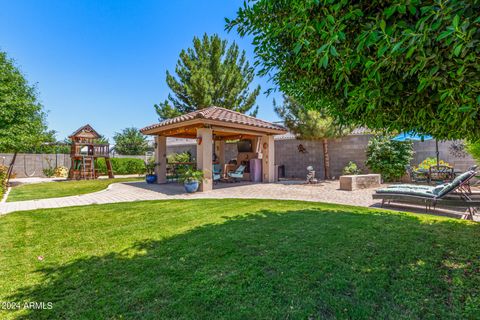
(361, 181)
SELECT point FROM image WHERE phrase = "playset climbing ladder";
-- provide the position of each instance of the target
(84, 153)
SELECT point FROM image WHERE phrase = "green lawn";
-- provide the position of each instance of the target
(61, 188)
(238, 259)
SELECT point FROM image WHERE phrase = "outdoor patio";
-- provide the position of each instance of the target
(325, 191)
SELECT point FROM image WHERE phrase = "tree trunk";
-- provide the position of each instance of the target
(326, 159)
(10, 167)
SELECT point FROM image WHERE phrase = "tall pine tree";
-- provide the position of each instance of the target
(210, 74)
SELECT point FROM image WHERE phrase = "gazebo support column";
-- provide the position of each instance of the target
(204, 156)
(161, 159)
(220, 152)
(268, 158)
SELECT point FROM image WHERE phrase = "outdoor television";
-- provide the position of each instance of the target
(244, 145)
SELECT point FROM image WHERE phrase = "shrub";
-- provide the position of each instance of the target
(351, 169)
(387, 157)
(3, 180)
(179, 157)
(473, 147)
(430, 162)
(61, 172)
(122, 166)
(48, 172)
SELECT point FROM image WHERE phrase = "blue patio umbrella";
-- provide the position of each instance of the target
(410, 136)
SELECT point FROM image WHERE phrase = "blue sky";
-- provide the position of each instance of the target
(104, 62)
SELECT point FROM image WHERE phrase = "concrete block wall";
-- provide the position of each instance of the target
(346, 149)
(32, 165)
(342, 150)
(296, 162)
(427, 149)
(351, 148)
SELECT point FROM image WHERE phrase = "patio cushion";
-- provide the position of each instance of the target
(238, 174)
(461, 178)
(436, 190)
(407, 191)
(217, 169)
(410, 186)
(240, 169)
(455, 183)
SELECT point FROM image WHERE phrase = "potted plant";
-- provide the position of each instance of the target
(191, 179)
(151, 177)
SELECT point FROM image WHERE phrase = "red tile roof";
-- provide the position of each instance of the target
(218, 114)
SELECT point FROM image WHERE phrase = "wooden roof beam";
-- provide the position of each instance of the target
(238, 131)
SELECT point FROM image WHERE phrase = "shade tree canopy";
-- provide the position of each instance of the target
(210, 73)
(22, 119)
(403, 65)
(130, 142)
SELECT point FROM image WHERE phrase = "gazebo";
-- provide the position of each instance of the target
(212, 127)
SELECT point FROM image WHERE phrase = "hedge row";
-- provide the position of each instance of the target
(122, 166)
(3, 180)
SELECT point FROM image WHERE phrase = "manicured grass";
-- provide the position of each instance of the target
(61, 188)
(238, 259)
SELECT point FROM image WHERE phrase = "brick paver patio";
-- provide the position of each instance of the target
(136, 191)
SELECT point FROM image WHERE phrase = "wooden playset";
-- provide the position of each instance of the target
(85, 151)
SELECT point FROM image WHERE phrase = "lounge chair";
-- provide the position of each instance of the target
(454, 194)
(466, 185)
(217, 173)
(237, 175)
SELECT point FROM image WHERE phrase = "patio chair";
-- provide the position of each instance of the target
(417, 176)
(237, 175)
(454, 194)
(217, 173)
(440, 173)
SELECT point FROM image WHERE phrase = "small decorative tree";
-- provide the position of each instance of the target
(389, 158)
(310, 125)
